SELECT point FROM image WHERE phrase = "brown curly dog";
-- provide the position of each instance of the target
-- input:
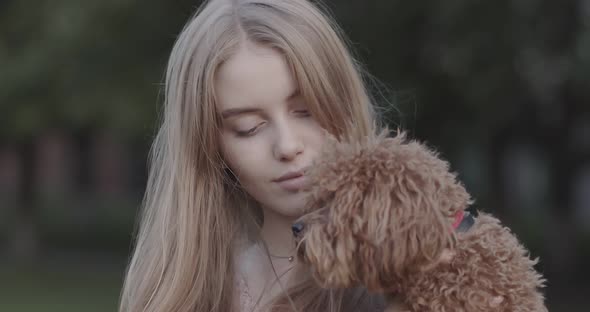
(387, 214)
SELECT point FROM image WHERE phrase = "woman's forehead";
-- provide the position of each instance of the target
(255, 76)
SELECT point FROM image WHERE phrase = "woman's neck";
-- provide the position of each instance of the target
(261, 270)
(276, 234)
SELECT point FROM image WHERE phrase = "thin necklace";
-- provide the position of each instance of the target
(290, 258)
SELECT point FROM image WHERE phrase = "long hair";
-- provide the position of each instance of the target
(192, 212)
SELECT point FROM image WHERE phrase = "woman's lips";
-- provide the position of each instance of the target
(293, 184)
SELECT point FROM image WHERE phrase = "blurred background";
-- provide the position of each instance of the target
(501, 88)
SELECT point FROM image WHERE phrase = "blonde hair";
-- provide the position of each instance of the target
(183, 253)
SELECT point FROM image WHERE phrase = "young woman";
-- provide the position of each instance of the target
(252, 86)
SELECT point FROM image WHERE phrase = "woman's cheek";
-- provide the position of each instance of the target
(244, 154)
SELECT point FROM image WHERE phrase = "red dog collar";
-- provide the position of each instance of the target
(463, 221)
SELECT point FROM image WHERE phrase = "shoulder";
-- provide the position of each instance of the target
(248, 271)
(248, 262)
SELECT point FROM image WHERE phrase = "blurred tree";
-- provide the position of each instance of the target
(81, 68)
(489, 76)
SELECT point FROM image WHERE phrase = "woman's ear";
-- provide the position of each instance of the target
(229, 175)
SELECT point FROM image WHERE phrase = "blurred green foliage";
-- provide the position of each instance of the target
(79, 64)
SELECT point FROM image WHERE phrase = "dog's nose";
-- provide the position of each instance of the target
(297, 228)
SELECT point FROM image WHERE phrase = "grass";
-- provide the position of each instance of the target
(62, 290)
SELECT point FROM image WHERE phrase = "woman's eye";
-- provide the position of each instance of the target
(246, 133)
(249, 132)
(303, 112)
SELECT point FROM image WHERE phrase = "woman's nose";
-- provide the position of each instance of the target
(288, 144)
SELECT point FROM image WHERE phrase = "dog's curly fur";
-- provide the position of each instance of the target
(381, 215)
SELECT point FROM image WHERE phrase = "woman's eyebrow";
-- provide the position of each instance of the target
(232, 112)
(239, 111)
(293, 94)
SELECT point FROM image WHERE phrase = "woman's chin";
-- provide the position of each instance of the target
(290, 210)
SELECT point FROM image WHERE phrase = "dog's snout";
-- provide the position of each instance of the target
(297, 228)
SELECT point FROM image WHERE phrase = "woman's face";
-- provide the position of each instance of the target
(267, 130)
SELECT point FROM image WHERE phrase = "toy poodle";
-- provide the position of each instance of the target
(387, 214)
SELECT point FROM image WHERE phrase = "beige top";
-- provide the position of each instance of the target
(245, 303)
(244, 299)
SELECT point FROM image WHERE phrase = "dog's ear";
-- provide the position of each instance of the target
(424, 198)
